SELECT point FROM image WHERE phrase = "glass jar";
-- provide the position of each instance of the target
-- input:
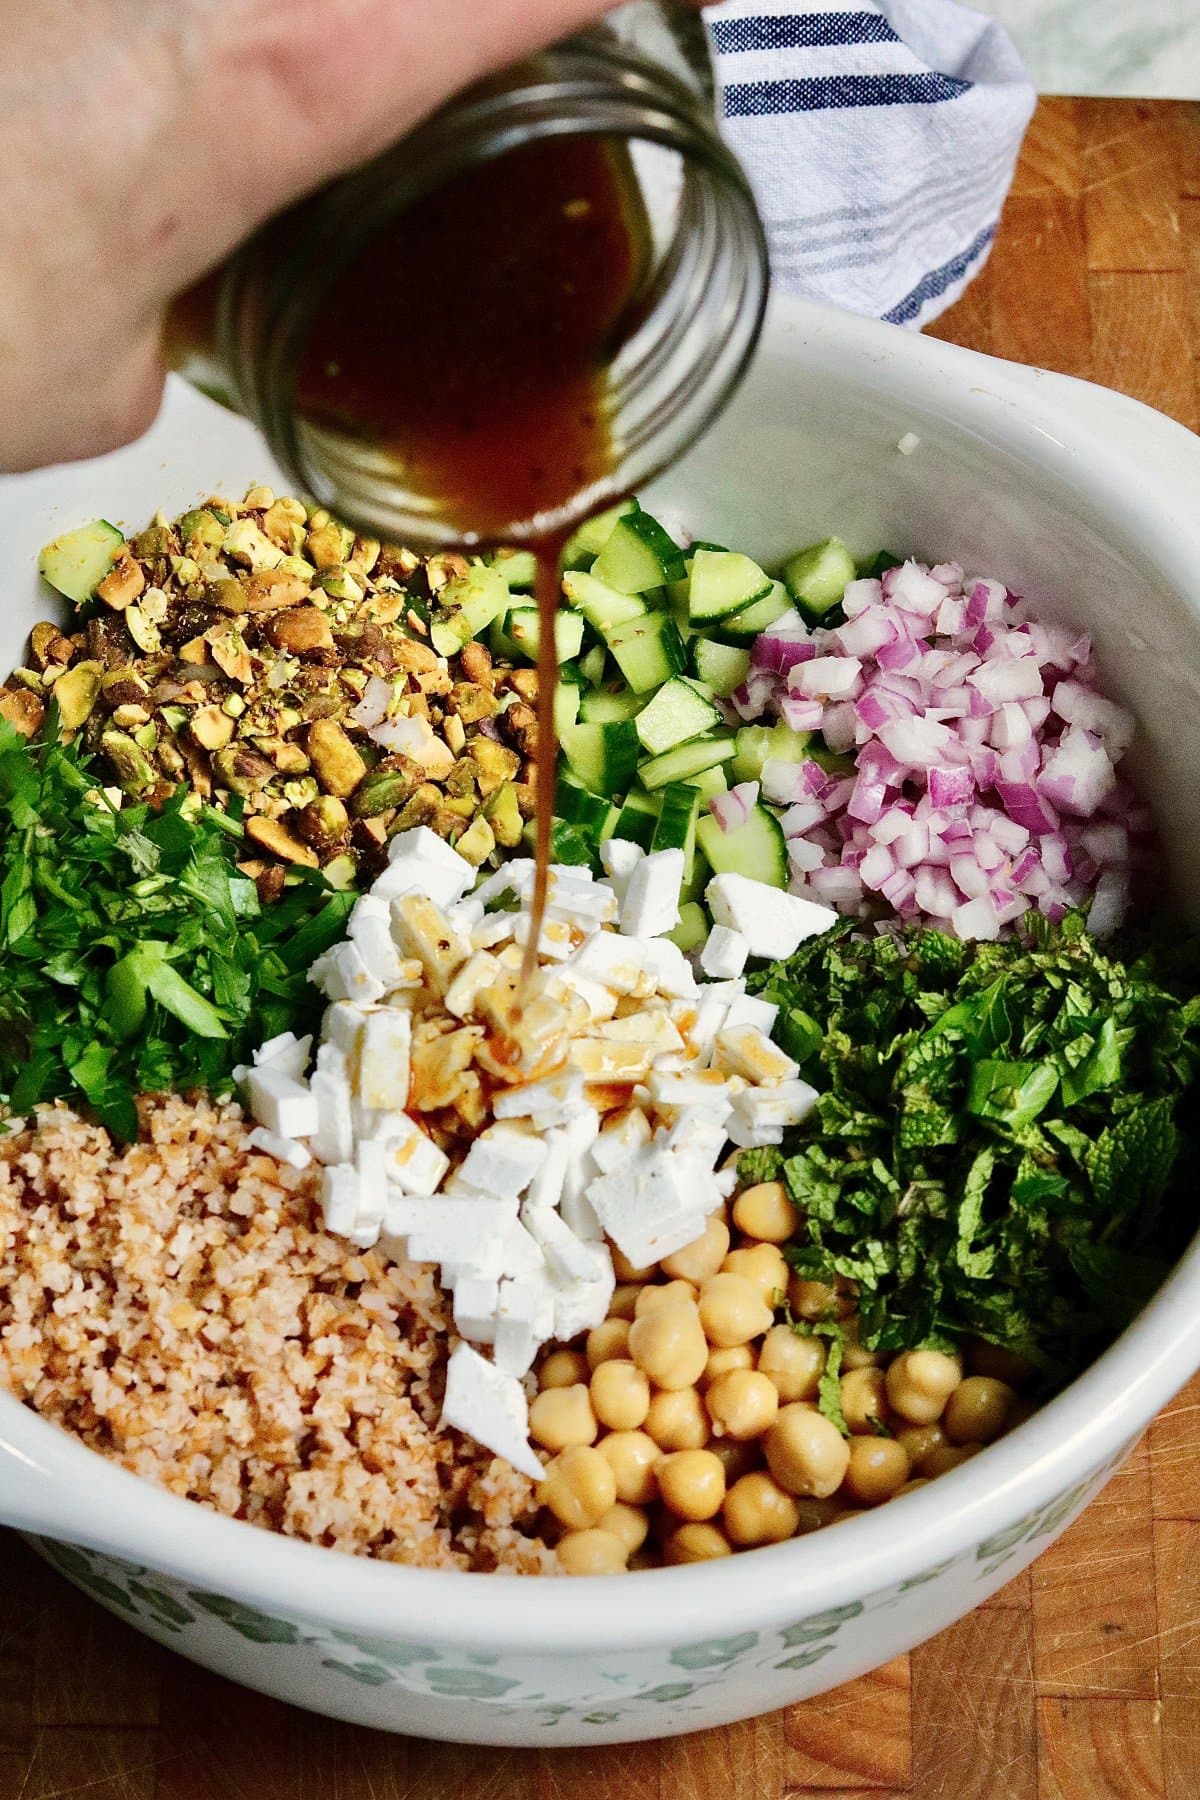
(642, 81)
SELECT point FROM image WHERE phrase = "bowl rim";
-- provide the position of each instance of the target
(76, 1495)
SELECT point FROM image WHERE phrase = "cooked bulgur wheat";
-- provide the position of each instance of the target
(177, 1306)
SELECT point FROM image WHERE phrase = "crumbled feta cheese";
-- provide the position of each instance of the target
(502, 1161)
(341, 974)
(478, 972)
(620, 857)
(489, 1406)
(370, 931)
(650, 905)
(333, 1140)
(422, 929)
(724, 953)
(413, 1160)
(342, 1027)
(434, 868)
(287, 1054)
(748, 1009)
(621, 1136)
(547, 1103)
(774, 924)
(475, 1304)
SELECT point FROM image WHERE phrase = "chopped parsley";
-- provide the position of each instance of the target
(1005, 1141)
(134, 955)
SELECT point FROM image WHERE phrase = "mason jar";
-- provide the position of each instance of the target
(641, 82)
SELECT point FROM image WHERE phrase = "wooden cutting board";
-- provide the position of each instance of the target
(1079, 1681)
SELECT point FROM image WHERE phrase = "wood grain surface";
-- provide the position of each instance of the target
(1079, 1681)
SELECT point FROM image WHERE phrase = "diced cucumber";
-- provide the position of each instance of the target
(591, 664)
(585, 545)
(638, 554)
(692, 928)
(685, 760)
(678, 712)
(746, 625)
(710, 781)
(637, 818)
(592, 814)
(755, 743)
(599, 707)
(470, 604)
(524, 628)
(757, 849)
(567, 843)
(698, 878)
(604, 757)
(723, 666)
(499, 642)
(676, 827)
(677, 593)
(648, 651)
(723, 582)
(518, 567)
(601, 606)
(816, 577)
(834, 762)
(78, 561)
(567, 696)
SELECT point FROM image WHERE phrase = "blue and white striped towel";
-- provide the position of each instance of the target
(880, 137)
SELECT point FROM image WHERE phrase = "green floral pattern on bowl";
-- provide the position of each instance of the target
(549, 1693)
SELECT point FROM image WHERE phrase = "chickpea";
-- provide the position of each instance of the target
(765, 1211)
(560, 1417)
(742, 1404)
(758, 1511)
(977, 1410)
(659, 1293)
(805, 1453)
(854, 1356)
(812, 1300)
(720, 1362)
(696, 1543)
(676, 1420)
(628, 1523)
(620, 1395)
(919, 1383)
(703, 1256)
(878, 1468)
(736, 1458)
(623, 1301)
(764, 1267)
(998, 1362)
(669, 1343)
(918, 1440)
(578, 1487)
(608, 1342)
(592, 1552)
(946, 1457)
(816, 1514)
(793, 1362)
(692, 1483)
(732, 1310)
(863, 1395)
(563, 1368)
(631, 1455)
(624, 1270)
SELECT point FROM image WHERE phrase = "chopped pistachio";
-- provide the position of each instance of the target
(246, 543)
(130, 764)
(338, 765)
(380, 791)
(301, 792)
(142, 630)
(211, 727)
(477, 841)
(130, 716)
(76, 693)
(234, 705)
(279, 841)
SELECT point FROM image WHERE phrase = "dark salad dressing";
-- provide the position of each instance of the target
(473, 340)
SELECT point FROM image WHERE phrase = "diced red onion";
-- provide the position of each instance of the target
(976, 918)
(805, 855)
(1023, 803)
(859, 595)
(838, 726)
(1078, 773)
(800, 714)
(732, 809)
(799, 819)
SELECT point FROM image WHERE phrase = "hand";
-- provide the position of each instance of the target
(142, 139)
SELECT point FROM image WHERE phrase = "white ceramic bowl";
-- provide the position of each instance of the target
(1084, 500)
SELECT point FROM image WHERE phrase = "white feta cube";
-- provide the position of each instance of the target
(600, 1001)
(372, 1194)
(650, 906)
(520, 1252)
(706, 1088)
(654, 1204)
(724, 953)
(370, 930)
(772, 1109)
(502, 1161)
(667, 966)
(582, 1305)
(341, 974)
(340, 1190)
(549, 1102)
(748, 1009)
(412, 1160)
(384, 1060)
(284, 1106)
(491, 1407)
(774, 924)
(432, 866)
(747, 1051)
(478, 972)
(333, 1140)
(475, 1305)
(621, 1136)
(545, 1190)
(287, 1054)
(284, 1150)
(614, 961)
(342, 1026)
(515, 877)
(525, 1319)
(620, 857)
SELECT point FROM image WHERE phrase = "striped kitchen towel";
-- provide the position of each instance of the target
(880, 137)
